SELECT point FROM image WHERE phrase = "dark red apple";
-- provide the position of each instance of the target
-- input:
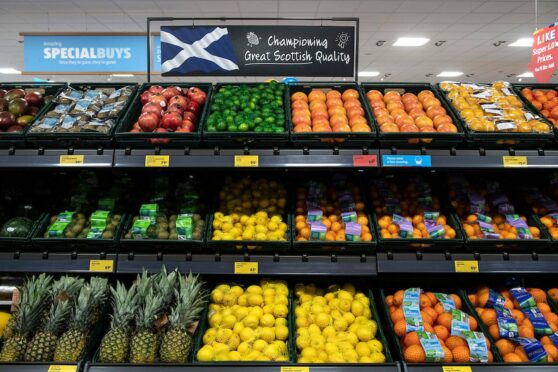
(148, 121)
(170, 92)
(145, 96)
(181, 100)
(33, 110)
(160, 140)
(194, 107)
(152, 107)
(156, 89)
(4, 104)
(188, 125)
(171, 121)
(158, 99)
(34, 99)
(183, 130)
(15, 128)
(188, 115)
(7, 119)
(196, 94)
(175, 107)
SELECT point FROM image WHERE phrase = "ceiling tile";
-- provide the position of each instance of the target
(258, 6)
(479, 18)
(444, 17)
(419, 6)
(499, 6)
(207, 6)
(298, 6)
(348, 6)
(379, 6)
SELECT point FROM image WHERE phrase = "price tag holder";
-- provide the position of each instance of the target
(245, 267)
(457, 369)
(514, 161)
(246, 161)
(365, 161)
(295, 369)
(157, 161)
(71, 159)
(101, 266)
(62, 368)
(470, 266)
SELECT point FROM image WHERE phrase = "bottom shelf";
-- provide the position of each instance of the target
(39, 367)
(494, 367)
(388, 367)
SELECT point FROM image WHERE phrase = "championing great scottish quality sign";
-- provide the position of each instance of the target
(258, 51)
(66, 54)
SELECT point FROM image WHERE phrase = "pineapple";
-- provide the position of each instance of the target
(33, 299)
(100, 291)
(115, 344)
(177, 342)
(42, 345)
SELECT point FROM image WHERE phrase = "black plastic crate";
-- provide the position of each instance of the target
(81, 139)
(420, 139)
(24, 242)
(331, 139)
(500, 139)
(517, 89)
(14, 139)
(170, 139)
(244, 139)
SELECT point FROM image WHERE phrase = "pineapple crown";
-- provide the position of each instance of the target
(151, 306)
(34, 294)
(63, 294)
(165, 286)
(66, 287)
(191, 300)
(57, 317)
(125, 304)
(82, 308)
(99, 288)
(144, 283)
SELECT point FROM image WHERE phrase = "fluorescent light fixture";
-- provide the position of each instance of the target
(411, 41)
(122, 75)
(368, 73)
(522, 42)
(9, 70)
(450, 74)
(527, 74)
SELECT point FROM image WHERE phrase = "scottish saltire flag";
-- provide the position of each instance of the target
(190, 49)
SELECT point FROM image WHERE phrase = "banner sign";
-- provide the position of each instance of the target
(258, 51)
(545, 53)
(68, 54)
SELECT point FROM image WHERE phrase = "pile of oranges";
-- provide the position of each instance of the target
(510, 351)
(436, 321)
(409, 112)
(500, 226)
(546, 101)
(328, 112)
(390, 230)
(551, 225)
(330, 206)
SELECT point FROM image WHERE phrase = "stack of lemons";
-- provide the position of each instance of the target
(335, 326)
(247, 324)
(258, 226)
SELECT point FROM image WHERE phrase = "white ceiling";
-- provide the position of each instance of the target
(469, 28)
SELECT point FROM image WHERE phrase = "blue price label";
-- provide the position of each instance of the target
(406, 160)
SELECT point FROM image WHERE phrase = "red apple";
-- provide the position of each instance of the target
(183, 130)
(145, 96)
(136, 125)
(160, 140)
(175, 107)
(188, 125)
(156, 89)
(171, 121)
(194, 107)
(33, 110)
(170, 92)
(135, 130)
(34, 99)
(152, 107)
(148, 121)
(196, 94)
(190, 116)
(158, 99)
(182, 101)
(15, 128)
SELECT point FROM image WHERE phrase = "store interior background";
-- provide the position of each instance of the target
(469, 36)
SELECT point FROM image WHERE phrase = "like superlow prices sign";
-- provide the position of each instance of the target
(258, 51)
(544, 53)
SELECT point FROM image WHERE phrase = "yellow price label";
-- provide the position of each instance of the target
(467, 266)
(245, 267)
(71, 159)
(515, 161)
(295, 369)
(157, 160)
(457, 369)
(62, 368)
(246, 161)
(101, 266)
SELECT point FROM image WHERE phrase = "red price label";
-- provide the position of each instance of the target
(365, 160)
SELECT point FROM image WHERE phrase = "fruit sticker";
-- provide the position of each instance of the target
(477, 345)
(411, 310)
(528, 306)
(446, 300)
(533, 348)
(459, 322)
(432, 347)
(506, 323)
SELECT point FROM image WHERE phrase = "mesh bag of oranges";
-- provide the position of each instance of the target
(493, 108)
(544, 205)
(433, 328)
(520, 321)
(411, 212)
(328, 110)
(332, 212)
(544, 100)
(486, 212)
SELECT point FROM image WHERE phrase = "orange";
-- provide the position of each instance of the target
(518, 315)
(411, 338)
(553, 293)
(439, 308)
(521, 353)
(448, 356)
(456, 301)
(426, 318)
(334, 102)
(305, 233)
(432, 313)
(432, 297)
(301, 120)
(299, 96)
(367, 237)
(414, 354)
(488, 317)
(444, 319)
(453, 342)
(336, 226)
(545, 340)
(361, 128)
(494, 331)
(472, 323)
(318, 105)
(526, 331)
(350, 94)
(551, 350)
(333, 94)
(472, 298)
(512, 358)
(505, 346)
(490, 357)
(400, 328)
(461, 354)
(424, 301)
(316, 94)
(543, 307)
(330, 235)
(538, 294)
(441, 332)
(299, 105)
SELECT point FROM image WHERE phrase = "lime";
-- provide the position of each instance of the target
(244, 127)
(221, 126)
(232, 128)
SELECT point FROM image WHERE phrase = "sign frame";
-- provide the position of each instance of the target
(356, 21)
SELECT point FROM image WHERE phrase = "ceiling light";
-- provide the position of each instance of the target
(368, 73)
(450, 74)
(9, 70)
(527, 74)
(522, 42)
(122, 75)
(411, 41)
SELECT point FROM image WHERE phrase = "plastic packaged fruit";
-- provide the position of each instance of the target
(544, 205)
(250, 209)
(493, 108)
(335, 325)
(396, 112)
(331, 213)
(544, 100)
(410, 213)
(486, 212)
(247, 324)
(519, 319)
(439, 332)
(328, 110)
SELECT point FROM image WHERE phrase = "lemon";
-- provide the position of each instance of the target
(349, 318)
(209, 336)
(267, 320)
(215, 320)
(260, 228)
(352, 338)
(223, 335)
(344, 346)
(305, 298)
(244, 348)
(301, 322)
(259, 345)
(309, 352)
(322, 320)
(303, 341)
(375, 346)
(365, 359)
(350, 355)
(283, 227)
(229, 299)
(316, 309)
(260, 236)
(234, 341)
(222, 357)
(218, 215)
(280, 322)
(314, 330)
(329, 331)
(318, 342)
(205, 354)
(364, 334)
(219, 347)
(241, 312)
(361, 320)
(257, 312)
(281, 332)
(357, 308)
(281, 300)
(247, 334)
(229, 321)
(378, 358)
(255, 299)
(250, 321)
(267, 334)
(217, 296)
(362, 349)
(276, 219)
(280, 311)
(335, 358)
(235, 356)
(344, 305)
(248, 235)
(340, 324)
(238, 327)
(331, 348)
(267, 309)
